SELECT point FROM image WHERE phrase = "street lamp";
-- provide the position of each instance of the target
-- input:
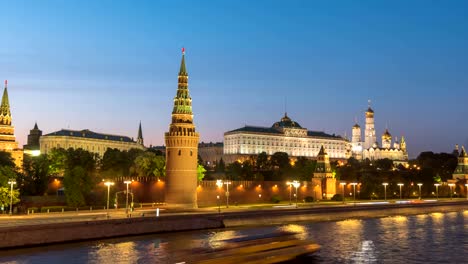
(354, 191)
(290, 189)
(108, 184)
(126, 201)
(437, 189)
(11, 182)
(296, 184)
(220, 183)
(342, 188)
(219, 206)
(401, 185)
(466, 185)
(385, 190)
(419, 185)
(451, 186)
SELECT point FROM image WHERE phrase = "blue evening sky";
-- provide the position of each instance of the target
(106, 65)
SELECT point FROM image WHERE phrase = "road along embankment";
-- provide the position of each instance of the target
(42, 234)
(337, 213)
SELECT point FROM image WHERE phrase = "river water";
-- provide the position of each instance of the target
(426, 238)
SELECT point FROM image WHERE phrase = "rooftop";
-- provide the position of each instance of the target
(86, 133)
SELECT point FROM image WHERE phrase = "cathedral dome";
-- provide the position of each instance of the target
(356, 126)
(387, 135)
(286, 122)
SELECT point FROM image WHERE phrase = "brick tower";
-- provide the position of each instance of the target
(182, 148)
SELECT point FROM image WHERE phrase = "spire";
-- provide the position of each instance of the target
(322, 151)
(140, 135)
(182, 101)
(35, 126)
(183, 70)
(5, 114)
(463, 153)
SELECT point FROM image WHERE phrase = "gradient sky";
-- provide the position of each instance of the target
(106, 65)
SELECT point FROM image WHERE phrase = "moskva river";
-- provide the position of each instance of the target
(427, 238)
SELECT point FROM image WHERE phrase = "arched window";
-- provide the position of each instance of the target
(180, 152)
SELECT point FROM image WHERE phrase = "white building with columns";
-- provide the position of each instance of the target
(283, 136)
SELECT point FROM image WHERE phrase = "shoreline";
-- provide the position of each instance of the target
(70, 232)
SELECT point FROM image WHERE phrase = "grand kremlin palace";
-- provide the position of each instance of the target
(284, 136)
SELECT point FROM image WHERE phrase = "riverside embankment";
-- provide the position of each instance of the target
(41, 234)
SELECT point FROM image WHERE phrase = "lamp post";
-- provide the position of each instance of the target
(466, 185)
(11, 182)
(354, 191)
(290, 189)
(342, 188)
(108, 184)
(437, 189)
(296, 184)
(220, 183)
(419, 185)
(401, 185)
(219, 206)
(385, 190)
(451, 186)
(126, 201)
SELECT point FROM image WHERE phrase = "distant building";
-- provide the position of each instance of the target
(370, 149)
(210, 153)
(7, 131)
(88, 140)
(323, 179)
(33, 147)
(284, 136)
(461, 171)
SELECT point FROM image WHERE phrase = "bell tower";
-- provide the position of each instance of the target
(182, 148)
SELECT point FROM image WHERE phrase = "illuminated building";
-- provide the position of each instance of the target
(88, 140)
(284, 136)
(182, 148)
(323, 176)
(461, 171)
(7, 131)
(33, 146)
(369, 148)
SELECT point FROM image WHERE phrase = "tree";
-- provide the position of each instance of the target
(148, 164)
(77, 184)
(57, 161)
(5, 198)
(200, 172)
(304, 168)
(35, 176)
(6, 159)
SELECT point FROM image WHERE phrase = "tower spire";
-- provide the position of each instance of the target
(183, 70)
(140, 135)
(5, 114)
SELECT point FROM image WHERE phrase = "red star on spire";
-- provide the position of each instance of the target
(183, 50)
(6, 83)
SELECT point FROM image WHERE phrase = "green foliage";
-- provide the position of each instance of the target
(57, 161)
(78, 184)
(6, 159)
(148, 164)
(221, 166)
(308, 199)
(5, 196)
(276, 199)
(304, 168)
(200, 172)
(35, 176)
(6, 173)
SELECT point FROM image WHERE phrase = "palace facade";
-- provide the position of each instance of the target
(283, 136)
(88, 140)
(370, 148)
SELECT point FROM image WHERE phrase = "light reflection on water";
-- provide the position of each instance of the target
(429, 238)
